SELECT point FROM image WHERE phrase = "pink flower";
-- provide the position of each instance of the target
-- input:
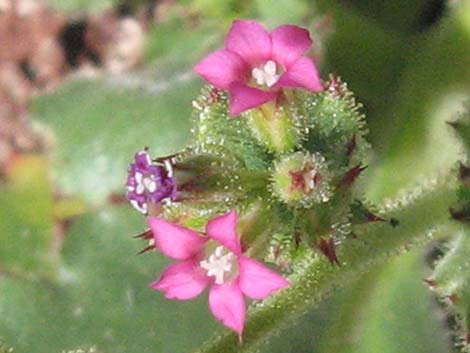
(255, 64)
(214, 261)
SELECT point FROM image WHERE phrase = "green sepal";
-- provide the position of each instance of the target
(461, 125)
(335, 125)
(217, 133)
(275, 127)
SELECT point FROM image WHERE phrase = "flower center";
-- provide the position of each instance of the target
(145, 183)
(220, 264)
(266, 75)
(305, 180)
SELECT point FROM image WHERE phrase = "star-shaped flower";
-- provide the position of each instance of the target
(213, 260)
(256, 64)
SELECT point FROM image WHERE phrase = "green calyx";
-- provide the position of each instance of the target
(291, 163)
(275, 127)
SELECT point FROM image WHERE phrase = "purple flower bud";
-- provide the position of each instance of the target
(148, 182)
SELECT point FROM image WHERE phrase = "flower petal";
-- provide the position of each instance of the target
(302, 74)
(258, 281)
(228, 306)
(224, 230)
(181, 281)
(175, 241)
(243, 98)
(221, 68)
(250, 40)
(289, 43)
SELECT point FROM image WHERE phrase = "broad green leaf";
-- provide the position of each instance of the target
(365, 55)
(406, 16)
(27, 219)
(393, 313)
(386, 310)
(178, 44)
(326, 328)
(436, 82)
(98, 126)
(102, 299)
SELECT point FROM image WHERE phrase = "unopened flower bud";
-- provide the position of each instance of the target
(301, 179)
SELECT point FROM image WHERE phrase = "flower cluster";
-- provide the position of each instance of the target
(281, 167)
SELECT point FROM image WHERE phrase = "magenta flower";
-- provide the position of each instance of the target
(255, 64)
(148, 182)
(216, 261)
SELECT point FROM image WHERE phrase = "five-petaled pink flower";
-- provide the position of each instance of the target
(256, 64)
(214, 260)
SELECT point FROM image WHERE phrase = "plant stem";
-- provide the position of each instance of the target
(422, 217)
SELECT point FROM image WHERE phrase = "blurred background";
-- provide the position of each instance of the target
(86, 83)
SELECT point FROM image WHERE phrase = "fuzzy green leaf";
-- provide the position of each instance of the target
(177, 42)
(102, 299)
(393, 313)
(98, 127)
(217, 133)
(421, 142)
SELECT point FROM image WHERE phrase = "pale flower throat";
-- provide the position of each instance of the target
(145, 182)
(266, 75)
(219, 264)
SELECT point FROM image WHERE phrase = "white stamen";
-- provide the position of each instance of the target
(169, 168)
(218, 264)
(142, 209)
(144, 183)
(267, 75)
(258, 75)
(149, 184)
(140, 189)
(309, 179)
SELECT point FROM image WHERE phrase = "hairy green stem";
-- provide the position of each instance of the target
(422, 216)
